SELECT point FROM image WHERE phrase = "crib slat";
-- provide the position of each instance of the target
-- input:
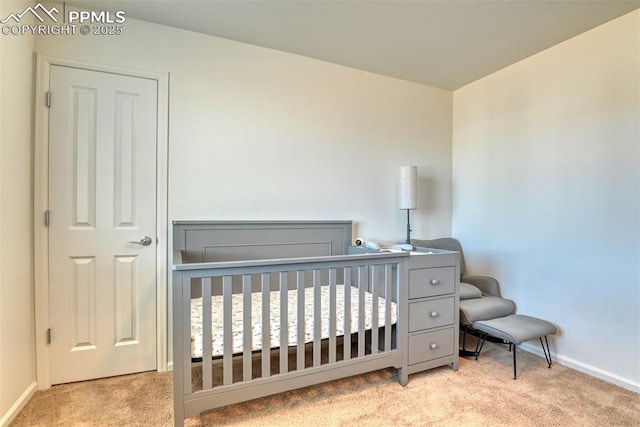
(374, 309)
(363, 279)
(186, 334)
(332, 315)
(347, 316)
(246, 328)
(284, 322)
(388, 296)
(265, 282)
(317, 316)
(206, 334)
(300, 321)
(227, 325)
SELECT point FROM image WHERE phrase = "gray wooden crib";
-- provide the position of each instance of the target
(265, 307)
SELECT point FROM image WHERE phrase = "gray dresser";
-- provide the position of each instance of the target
(431, 309)
(433, 318)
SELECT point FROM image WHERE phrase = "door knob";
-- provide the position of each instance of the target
(145, 241)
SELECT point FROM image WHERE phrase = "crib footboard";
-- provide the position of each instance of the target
(269, 326)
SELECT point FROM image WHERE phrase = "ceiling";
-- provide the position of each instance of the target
(441, 43)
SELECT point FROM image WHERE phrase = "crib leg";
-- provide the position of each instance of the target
(403, 377)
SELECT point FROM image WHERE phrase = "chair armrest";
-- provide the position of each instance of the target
(488, 285)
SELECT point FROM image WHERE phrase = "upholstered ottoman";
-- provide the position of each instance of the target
(516, 329)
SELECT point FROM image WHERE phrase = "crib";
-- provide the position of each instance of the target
(265, 307)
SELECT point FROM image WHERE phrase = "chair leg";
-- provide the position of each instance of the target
(547, 352)
(464, 337)
(463, 351)
(479, 345)
(514, 360)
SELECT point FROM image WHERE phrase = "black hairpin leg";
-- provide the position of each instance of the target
(547, 352)
(480, 344)
(463, 351)
(514, 360)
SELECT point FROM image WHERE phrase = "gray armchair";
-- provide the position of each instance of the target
(480, 297)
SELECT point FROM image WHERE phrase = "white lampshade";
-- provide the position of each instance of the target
(408, 187)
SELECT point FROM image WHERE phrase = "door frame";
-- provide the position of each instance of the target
(41, 197)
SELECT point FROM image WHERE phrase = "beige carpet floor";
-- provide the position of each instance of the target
(480, 393)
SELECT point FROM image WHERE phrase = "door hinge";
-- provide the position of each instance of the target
(48, 99)
(49, 336)
(47, 218)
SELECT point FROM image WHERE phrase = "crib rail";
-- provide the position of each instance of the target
(241, 371)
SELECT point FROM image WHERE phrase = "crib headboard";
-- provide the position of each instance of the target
(218, 241)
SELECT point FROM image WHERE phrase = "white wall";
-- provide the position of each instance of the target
(261, 134)
(547, 192)
(17, 358)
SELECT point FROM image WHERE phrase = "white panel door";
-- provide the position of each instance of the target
(102, 197)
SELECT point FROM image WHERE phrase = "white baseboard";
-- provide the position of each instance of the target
(584, 368)
(18, 405)
(170, 366)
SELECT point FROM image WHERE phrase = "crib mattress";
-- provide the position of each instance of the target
(275, 328)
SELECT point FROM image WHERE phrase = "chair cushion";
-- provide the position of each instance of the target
(468, 291)
(487, 307)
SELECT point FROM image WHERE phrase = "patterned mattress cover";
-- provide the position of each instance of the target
(256, 318)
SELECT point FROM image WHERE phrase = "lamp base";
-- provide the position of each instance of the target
(408, 242)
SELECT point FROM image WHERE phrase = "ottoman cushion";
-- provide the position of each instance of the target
(516, 328)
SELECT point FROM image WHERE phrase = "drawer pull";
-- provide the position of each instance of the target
(433, 346)
(435, 282)
(433, 314)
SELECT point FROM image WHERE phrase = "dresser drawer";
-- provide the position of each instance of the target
(431, 314)
(430, 345)
(429, 282)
